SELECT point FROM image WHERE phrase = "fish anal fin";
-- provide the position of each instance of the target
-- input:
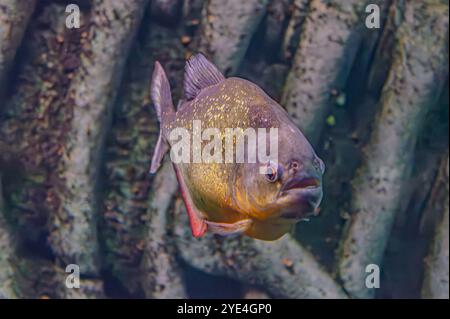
(225, 229)
(199, 74)
(198, 225)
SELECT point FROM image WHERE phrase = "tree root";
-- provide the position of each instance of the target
(329, 41)
(284, 268)
(275, 24)
(412, 87)
(293, 30)
(14, 16)
(105, 46)
(77, 169)
(436, 281)
(7, 252)
(75, 76)
(227, 27)
(162, 274)
(131, 218)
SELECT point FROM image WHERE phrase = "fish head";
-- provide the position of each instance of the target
(288, 188)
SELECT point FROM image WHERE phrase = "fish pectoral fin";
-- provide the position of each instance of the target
(198, 225)
(227, 228)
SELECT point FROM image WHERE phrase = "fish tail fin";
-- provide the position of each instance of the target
(160, 150)
(162, 100)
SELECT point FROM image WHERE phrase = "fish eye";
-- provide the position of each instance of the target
(271, 172)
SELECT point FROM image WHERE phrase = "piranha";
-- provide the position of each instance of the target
(236, 198)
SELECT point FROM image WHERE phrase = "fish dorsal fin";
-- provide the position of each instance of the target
(199, 74)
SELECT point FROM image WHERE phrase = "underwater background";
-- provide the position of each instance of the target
(77, 132)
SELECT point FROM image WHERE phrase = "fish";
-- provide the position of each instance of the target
(259, 199)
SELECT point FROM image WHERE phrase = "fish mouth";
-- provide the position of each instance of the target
(303, 195)
(308, 183)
